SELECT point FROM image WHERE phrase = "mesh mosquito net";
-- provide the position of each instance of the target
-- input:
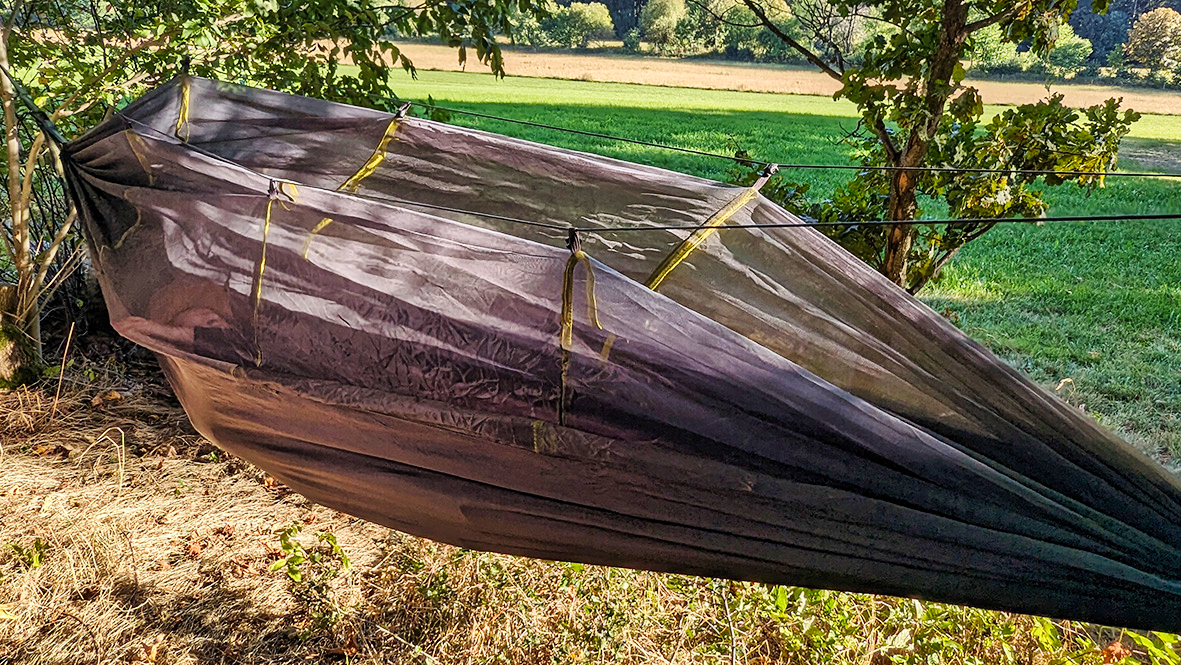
(751, 403)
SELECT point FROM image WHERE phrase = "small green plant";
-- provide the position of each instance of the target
(309, 572)
(32, 556)
(435, 113)
(631, 41)
(1161, 648)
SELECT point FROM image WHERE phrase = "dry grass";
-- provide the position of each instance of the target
(714, 75)
(156, 548)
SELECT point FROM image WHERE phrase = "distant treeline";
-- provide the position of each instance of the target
(1136, 41)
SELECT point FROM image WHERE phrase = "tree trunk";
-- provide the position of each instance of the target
(903, 206)
(20, 313)
(20, 359)
(903, 203)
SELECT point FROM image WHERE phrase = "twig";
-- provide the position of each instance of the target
(98, 646)
(729, 621)
(134, 565)
(61, 374)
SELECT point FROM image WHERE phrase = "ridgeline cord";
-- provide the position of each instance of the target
(564, 228)
(907, 222)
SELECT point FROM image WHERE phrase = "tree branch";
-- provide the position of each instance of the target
(721, 19)
(50, 254)
(883, 133)
(787, 39)
(18, 242)
(84, 88)
(7, 26)
(990, 20)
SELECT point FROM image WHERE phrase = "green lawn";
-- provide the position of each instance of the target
(1098, 304)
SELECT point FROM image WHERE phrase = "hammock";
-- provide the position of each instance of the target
(748, 403)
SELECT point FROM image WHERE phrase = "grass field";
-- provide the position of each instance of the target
(137, 542)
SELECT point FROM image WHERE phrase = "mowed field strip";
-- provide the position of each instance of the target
(749, 77)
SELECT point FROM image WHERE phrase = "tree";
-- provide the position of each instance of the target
(625, 14)
(1155, 39)
(1070, 51)
(992, 54)
(83, 58)
(658, 21)
(919, 117)
(577, 25)
(1105, 31)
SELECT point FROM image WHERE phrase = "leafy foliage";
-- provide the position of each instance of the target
(32, 556)
(310, 572)
(1155, 39)
(917, 114)
(659, 19)
(991, 53)
(1022, 142)
(573, 26)
(1070, 51)
(578, 24)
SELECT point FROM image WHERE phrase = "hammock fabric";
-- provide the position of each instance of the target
(753, 404)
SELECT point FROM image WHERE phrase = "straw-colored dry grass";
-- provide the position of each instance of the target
(157, 548)
(720, 75)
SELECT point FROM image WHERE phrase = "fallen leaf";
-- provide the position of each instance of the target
(1115, 652)
(349, 649)
(148, 653)
(195, 546)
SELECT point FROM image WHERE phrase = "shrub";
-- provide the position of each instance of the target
(579, 24)
(993, 54)
(659, 20)
(631, 40)
(1070, 52)
(527, 28)
(1116, 58)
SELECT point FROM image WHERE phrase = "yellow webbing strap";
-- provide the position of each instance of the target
(577, 257)
(699, 236)
(354, 182)
(307, 244)
(138, 148)
(566, 337)
(182, 117)
(256, 296)
(708, 228)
